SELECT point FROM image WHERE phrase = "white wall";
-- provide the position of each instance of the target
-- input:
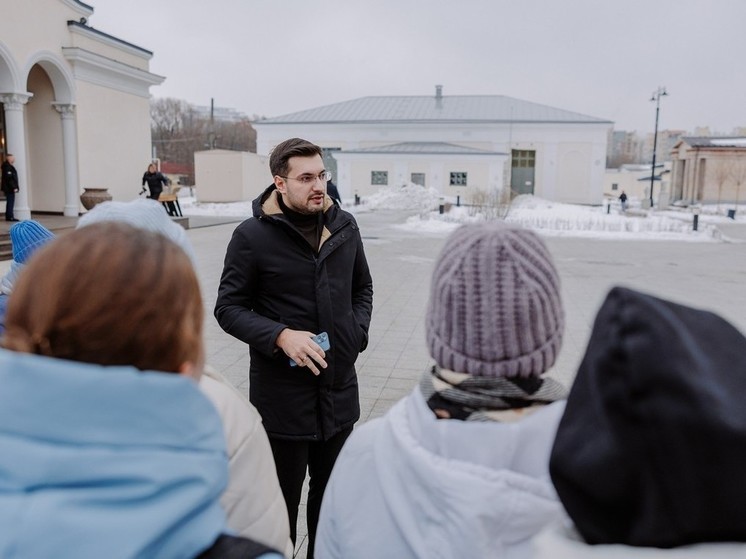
(230, 176)
(354, 172)
(113, 140)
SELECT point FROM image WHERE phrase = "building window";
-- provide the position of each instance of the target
(458, 179)
(379, 177)
(614, 186)
(418, 178)
(524, 158)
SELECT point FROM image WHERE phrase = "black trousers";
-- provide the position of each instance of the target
(10, 200)
(291, 459)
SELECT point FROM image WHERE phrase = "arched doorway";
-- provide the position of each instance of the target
(46, 167)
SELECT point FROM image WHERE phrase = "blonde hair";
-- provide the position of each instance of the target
(109, 294)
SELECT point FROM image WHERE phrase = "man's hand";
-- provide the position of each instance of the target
(298, 345)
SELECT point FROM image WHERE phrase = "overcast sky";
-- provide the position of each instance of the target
(603, 58)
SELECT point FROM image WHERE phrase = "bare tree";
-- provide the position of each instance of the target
(492, 204)
(178, 131)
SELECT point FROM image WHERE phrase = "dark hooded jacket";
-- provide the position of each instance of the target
(652, 445)
(272, 279)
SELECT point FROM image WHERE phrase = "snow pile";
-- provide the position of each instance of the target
(190, 206)
(408, 197)
(557, 219)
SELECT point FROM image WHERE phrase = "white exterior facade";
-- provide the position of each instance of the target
(76, 105)
(230, 176)
(569, 154)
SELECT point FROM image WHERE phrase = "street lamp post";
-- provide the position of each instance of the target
(657, 94)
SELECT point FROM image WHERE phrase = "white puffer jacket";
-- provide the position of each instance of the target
(252, 500)
(409, 485)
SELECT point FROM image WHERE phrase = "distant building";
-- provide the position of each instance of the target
(634, 180)
(667, 139)
(220, 114)
(459, 144)
(178, 173)
(624, 148)
(709, 169)
(74, 105)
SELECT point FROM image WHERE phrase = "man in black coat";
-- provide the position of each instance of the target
(9, 185)
(297, 268)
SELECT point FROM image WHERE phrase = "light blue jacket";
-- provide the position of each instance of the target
(106, 462)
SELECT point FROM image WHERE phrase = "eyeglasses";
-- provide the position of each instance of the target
(310, 179)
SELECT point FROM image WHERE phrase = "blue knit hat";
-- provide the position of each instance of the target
(26, 236)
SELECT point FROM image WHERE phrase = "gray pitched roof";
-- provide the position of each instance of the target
(428, 148)
(715, 141)
(423, 108)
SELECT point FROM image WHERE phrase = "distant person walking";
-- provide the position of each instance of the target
(155, 181)
(9, 185)
(333, 192)
(623, 200)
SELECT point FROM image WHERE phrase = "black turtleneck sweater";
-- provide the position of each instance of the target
(309, 225)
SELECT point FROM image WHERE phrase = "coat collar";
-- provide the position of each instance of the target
(267, 205)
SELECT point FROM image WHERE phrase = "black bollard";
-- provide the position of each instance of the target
(696, 221)
(608, 208)
(357, 200)
(441, 209)
(458, 201)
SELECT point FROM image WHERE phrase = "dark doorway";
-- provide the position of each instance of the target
(522, 171)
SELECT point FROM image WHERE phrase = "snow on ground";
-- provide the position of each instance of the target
(547, 218)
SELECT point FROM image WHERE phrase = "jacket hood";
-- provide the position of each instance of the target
(652, 445)
(106, 461)
(486, 480)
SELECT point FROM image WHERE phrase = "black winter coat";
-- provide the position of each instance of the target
(155, 181)
(9, 178)
(272, 279)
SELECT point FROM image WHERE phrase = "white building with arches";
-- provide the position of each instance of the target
(74, 105)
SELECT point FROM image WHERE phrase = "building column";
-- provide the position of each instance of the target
(70, 155)
(15, 132)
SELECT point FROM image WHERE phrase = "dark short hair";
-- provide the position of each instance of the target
(294, 147)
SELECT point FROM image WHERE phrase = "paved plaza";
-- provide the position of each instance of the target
(705, 275)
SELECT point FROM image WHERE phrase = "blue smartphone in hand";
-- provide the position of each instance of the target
(321, 339)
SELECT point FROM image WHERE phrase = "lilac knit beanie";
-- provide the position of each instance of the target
(495, 308)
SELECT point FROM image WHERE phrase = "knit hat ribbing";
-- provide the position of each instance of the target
(27, 236)
(143, 214)
(495, 308)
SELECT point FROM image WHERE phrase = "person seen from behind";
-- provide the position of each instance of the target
(25, 237)
(107, 446)
(255, 510)
(459, 467)
(649, 455)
